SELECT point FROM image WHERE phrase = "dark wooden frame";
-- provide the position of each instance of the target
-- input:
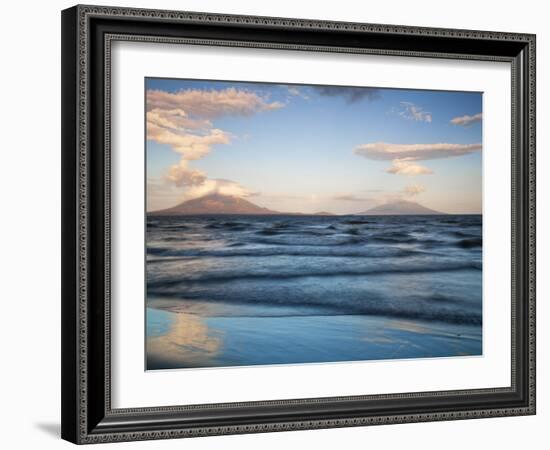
(87, 33)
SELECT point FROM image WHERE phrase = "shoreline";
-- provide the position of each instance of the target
(203, 335)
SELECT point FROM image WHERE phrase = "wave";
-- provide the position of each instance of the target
(357, 222)
(233, 226)
(353, 231)
(167, 227)
(230, 276)
(279, 240)
(423, 268)
(235, 250)
(462, 234)
(399, 240)
(339, 238)
(268, 232)
(435, 308)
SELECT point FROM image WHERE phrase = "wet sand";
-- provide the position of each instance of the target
(194, 334)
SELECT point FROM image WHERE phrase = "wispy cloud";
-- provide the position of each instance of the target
(296, 91)
(466, 121)
(412, 190)
(415, 152)
(406, 193)
(350, 198)
(404, 155)
(410, 111)
(350, 94)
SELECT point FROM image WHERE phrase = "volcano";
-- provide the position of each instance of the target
(215, 204)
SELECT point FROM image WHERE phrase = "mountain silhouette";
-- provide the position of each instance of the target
(397, 208)
(215, 204)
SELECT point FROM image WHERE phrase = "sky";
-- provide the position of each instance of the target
(306, 148)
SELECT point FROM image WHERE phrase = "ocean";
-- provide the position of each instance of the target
(237, 290)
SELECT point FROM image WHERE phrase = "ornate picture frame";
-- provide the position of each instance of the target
(88, 33)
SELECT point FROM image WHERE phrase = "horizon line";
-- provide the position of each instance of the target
(291, 213)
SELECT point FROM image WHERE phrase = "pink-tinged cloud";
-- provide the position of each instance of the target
(176, 119)
(190, 146)
(405, 167)
(210, 104)
(163, 193)
(466, 121)
(217, 186)
(412, 190)
(181, 175)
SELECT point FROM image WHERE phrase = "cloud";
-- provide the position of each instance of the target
(466, 121)
(383, 151)
(410, 111)
(350, 94)
(210, 104)
(350, 198)
(163, 193)
(412, 190)
(181, 175)
(403, 156)
(190, 146)
(175, 118)
(405, 167)
(293, 90)
(217, 186)
(182, 120)
(297, 92)
(406, 193)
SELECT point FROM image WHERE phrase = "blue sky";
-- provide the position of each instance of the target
(300, 148)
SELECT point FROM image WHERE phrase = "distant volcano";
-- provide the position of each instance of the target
(399, 208)
(214, 204)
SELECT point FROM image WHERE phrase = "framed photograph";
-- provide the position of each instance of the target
(279, 224)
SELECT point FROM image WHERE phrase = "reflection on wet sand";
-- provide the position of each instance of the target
(187, 343)
(194, 335)
(411, 327)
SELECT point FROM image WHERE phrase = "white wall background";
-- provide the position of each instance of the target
(30, 225)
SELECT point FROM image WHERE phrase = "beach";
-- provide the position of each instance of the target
(187, 340)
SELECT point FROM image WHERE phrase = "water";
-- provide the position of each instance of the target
(246, 290)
